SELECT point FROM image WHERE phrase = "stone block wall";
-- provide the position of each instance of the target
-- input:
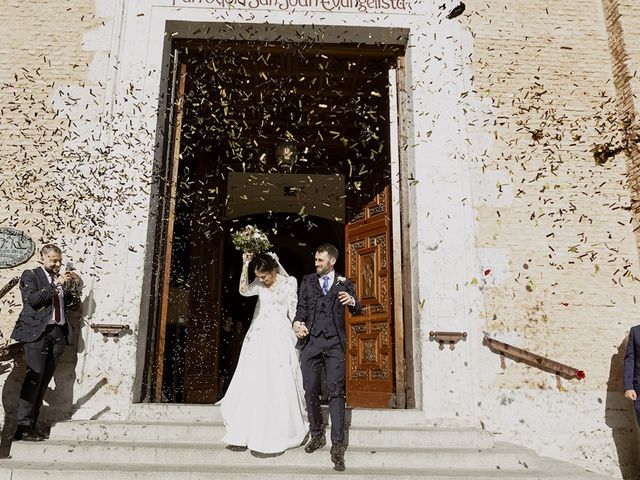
(555, 232)
(39, 60)
(45, 68)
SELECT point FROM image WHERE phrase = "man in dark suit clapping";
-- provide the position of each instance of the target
(319, 325)
(43, 327)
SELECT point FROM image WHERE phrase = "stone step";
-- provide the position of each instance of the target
(167, 412)
(14, 470)
(502, 456)
(212, 433)
(185, 413)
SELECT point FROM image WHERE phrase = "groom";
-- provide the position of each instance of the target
(320, 328)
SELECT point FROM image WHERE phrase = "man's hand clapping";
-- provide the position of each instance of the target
(65, 278)
(62, 279)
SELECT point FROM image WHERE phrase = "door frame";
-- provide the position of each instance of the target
(151, 388)
(400, 184)
(400, 228)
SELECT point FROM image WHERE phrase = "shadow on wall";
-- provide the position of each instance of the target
(620, 417)
(10, 394)
(58, 401)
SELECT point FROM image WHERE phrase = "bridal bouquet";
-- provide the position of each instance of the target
(250, 239)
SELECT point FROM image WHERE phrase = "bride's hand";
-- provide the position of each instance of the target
(246, 257)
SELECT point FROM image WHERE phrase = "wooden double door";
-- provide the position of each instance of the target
(370, 336)
(193, 234)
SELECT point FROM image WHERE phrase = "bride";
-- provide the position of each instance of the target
(264, 408)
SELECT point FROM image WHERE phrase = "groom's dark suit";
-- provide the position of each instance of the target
(324, 347)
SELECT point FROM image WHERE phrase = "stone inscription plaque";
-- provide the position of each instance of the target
(360, 6)
(15, 247)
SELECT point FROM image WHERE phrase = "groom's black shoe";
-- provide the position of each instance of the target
(237, 448)
(27, 434)
(44, 434)
(337, 456)
(315, 443)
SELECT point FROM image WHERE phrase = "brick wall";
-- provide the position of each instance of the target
(559, 216)
(39, 57)
(622, 20)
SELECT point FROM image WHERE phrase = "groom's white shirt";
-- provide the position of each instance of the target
(331, 275)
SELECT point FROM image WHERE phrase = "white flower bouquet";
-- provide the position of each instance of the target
(250, 239)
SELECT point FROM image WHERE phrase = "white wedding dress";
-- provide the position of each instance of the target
(264, 407)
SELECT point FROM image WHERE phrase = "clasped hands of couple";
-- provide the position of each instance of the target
(299, 328)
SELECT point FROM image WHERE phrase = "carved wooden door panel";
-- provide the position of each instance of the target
(370, 369)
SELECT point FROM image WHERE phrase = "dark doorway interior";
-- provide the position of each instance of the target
(244, 104)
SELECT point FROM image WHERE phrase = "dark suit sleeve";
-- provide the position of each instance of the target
(32, 295)
(357, 308)
(629, 361)
(303, 302)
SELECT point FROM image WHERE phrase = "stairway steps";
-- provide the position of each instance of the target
(15, 470)
(185, 413)
(212, 433)
(502, 456)
(183, 442)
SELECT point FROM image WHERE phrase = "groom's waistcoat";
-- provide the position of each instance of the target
(323, 322)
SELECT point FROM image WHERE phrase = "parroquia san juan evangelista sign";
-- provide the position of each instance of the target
(361, 6)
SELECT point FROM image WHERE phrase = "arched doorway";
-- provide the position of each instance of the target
(236, 105)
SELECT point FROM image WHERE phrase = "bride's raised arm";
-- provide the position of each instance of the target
(246, 289)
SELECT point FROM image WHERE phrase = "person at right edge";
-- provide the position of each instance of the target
(632, 369)
(319, 324)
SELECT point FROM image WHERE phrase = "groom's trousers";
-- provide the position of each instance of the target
(321, 352)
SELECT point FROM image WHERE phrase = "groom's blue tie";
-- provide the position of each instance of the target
(325, 284)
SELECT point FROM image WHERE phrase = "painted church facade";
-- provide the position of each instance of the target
(477, 171)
